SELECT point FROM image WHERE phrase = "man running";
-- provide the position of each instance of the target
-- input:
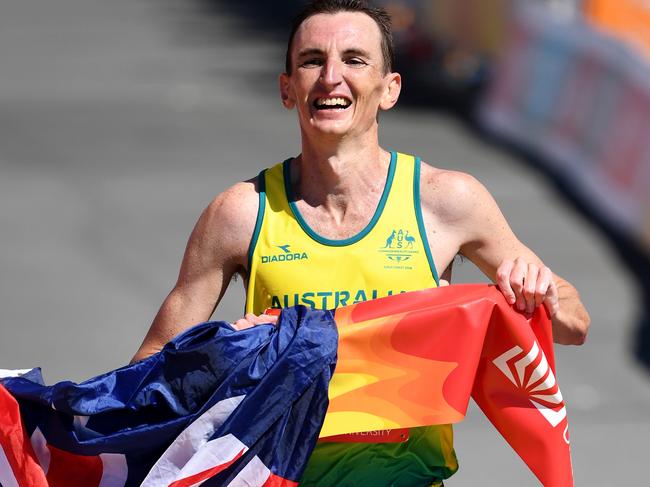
(346, 221)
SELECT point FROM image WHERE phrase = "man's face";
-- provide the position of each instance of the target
(337, 82)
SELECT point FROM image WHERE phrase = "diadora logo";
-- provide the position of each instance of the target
(285, 256)
(399, 245)
(536, 377)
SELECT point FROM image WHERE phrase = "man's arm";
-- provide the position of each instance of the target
(216, 250)
(469, 222)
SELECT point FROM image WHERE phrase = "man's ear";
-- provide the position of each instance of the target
(393, 89)
(285, 92)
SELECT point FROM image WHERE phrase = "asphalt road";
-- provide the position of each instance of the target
(120, 121)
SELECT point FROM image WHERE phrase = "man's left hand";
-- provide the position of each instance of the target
(527, 285)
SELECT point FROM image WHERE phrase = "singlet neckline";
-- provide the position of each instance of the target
(286, 169)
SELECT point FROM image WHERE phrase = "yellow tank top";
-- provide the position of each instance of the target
(289, 263)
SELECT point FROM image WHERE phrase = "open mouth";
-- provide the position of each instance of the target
(332, 103)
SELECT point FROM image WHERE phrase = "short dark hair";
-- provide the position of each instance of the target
(379, 15)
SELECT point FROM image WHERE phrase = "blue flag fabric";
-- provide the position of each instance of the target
(254, 398)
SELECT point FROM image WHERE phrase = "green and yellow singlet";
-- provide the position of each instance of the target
(289, 264)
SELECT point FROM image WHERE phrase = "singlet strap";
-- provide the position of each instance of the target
(420, 219)
(261, 188)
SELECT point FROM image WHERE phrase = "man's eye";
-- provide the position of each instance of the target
(312, 62)
(355, 61)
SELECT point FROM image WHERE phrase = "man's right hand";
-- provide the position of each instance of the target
(250, 320)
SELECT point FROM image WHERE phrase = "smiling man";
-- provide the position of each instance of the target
(346, 221)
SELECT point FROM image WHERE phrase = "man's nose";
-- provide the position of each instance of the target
(331, 74)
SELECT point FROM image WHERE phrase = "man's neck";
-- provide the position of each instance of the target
(339, 170)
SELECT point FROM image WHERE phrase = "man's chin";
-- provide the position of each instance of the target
(331, 128)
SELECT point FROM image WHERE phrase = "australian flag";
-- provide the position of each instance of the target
(215, 407)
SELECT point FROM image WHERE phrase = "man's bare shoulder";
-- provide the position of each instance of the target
(237, 204)
(228, 222)
(453, 196)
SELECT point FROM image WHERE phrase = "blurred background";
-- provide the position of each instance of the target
(121, 120)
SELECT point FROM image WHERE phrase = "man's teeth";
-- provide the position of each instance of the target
(332, 102)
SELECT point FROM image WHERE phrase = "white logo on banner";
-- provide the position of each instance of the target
(539, 391)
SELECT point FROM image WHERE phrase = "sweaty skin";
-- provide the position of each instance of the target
(337, 86)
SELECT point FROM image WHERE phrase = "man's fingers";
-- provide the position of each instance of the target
(272, 319)
(530, 287)
(251, 319)
(517, 277)
(254, 319)
(503, 280)
(261, 319)
(443, 283)
(544, 280)
(242, 324)
(527, 285)
(552, 300)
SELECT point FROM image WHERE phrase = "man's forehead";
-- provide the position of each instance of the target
(347, 29)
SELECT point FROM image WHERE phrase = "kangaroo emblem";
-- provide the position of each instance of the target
(389, 241)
